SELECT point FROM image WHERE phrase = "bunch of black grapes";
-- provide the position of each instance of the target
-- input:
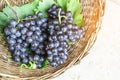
(28, 35)
(46, 38)
(60, 34)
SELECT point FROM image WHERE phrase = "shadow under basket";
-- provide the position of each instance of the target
(93, 11)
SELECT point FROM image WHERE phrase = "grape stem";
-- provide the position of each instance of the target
(23, 65)
(60, 17)
(31, 63)
(27, 19)
(64, 17)
(12, 10)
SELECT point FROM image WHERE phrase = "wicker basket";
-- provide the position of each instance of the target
(93, 10)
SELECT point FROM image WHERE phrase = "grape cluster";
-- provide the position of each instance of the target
(31, 33)
(60, 35)
(45, 37)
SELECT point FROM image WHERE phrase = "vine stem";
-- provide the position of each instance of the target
(12, 10)
(64, 17)
(31, 65)
(60, 17)
(23, 65)
(27, 19)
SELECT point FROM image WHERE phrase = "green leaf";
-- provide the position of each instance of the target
(75, 6)
(28, 9)
(18, 11)
(69, 43)
(19, 63)
(44, 5)
(62, 3)
(29, 50)
(2, 25)
(21, 11)
(76, 11)
(25, 9)
(78, 19)
(3, 19)
(45, 63)
(10, 14)
(82, 22)
(10, 59)
(1, 28)
(2, 35)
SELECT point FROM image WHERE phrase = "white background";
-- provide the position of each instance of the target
(103, 62)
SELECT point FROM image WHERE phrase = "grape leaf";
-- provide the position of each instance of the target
(19, 63)
(76, 11)
(62, 3)
(28, 9)
(69, 42)
(45, 63)
(10, 59)
(2, 35)
(10, 14)
(3, 19)
(78, 19)
(77, 8)
(29, 50)
(44, 5)
(21, 11)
